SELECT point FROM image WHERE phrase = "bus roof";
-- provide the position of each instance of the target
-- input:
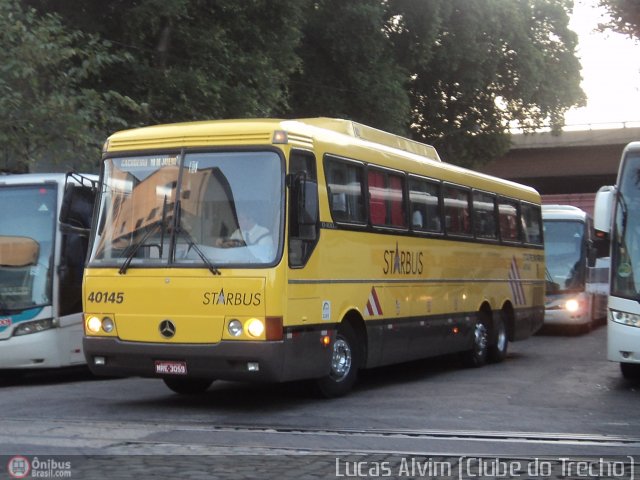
(344, 136)
(563, 212)
(36, 178)
(24, 178)
(633, 146)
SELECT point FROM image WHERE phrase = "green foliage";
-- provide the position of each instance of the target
(625, 16)
(196, 59)
(454, 73)
(491, 64)
(348, 69)
(46, 114)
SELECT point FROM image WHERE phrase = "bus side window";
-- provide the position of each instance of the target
(508, 214)
(456, 205)
(484, 215)
(377, 207)
(532, 223)
(424, 198)
(386, 198)
(344, 189)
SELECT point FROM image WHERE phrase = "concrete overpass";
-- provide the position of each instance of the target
(566, 168)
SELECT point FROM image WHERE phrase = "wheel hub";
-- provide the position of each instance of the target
(341, 359)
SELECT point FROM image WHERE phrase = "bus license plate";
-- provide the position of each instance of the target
(165, 367)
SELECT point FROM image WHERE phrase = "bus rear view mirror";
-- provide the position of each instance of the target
(76, 211)
(602, 212)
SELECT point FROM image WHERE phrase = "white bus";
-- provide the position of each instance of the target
(577, 283)
(617, 216)
(41, 266)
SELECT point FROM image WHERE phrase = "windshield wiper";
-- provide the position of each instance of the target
(136, 247)
(192, 244)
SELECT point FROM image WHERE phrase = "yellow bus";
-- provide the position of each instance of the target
(278, 250)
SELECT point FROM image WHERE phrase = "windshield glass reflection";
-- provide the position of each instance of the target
(625, 281)
(222, 208)
(27, 230)
(564, 249)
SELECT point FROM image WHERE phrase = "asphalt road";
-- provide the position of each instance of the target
(554, 397)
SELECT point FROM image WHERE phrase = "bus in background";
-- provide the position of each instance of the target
(41, 267)
(577, 284)
(617, 219)
(278, 250)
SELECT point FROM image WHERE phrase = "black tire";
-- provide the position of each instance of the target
(500, 341)
(630, 371)
(345, 362)
(478, 355)
(188, 386)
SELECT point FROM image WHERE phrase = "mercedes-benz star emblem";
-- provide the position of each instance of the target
(167, 328)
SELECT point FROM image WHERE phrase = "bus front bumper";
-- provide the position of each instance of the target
(564, 317)
(33, 351)
(568, 309)
(623, 342)
(277, 361)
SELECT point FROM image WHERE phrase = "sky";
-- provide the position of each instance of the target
(610, 72)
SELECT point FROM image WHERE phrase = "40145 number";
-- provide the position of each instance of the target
(106, 297)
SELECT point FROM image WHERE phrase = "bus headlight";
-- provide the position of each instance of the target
(33, 327)
(255, 327)
(235, 328)
(625, 318)
(572, 305)
(107, 324)
(95, 324)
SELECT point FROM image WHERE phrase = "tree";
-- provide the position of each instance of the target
(484, 66)
(454, 73)
(194, 59)
(46, 115)
(348, 67)
(625, 16)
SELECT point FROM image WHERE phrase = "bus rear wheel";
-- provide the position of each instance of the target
(498, 350)
(345, 362)
(188, 386)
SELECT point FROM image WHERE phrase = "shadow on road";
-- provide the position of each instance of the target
(237, 398)
(45, 377)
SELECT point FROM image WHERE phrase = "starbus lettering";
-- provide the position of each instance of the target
(232, 298)
(404, 262)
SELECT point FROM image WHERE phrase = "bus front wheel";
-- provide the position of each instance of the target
(188, 386)
(345, 362)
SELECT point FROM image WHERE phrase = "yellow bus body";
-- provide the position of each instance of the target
(405, 294)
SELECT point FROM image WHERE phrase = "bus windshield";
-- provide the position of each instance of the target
(565, 252)
(27, 232)
(201, 209)
(625, 244)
